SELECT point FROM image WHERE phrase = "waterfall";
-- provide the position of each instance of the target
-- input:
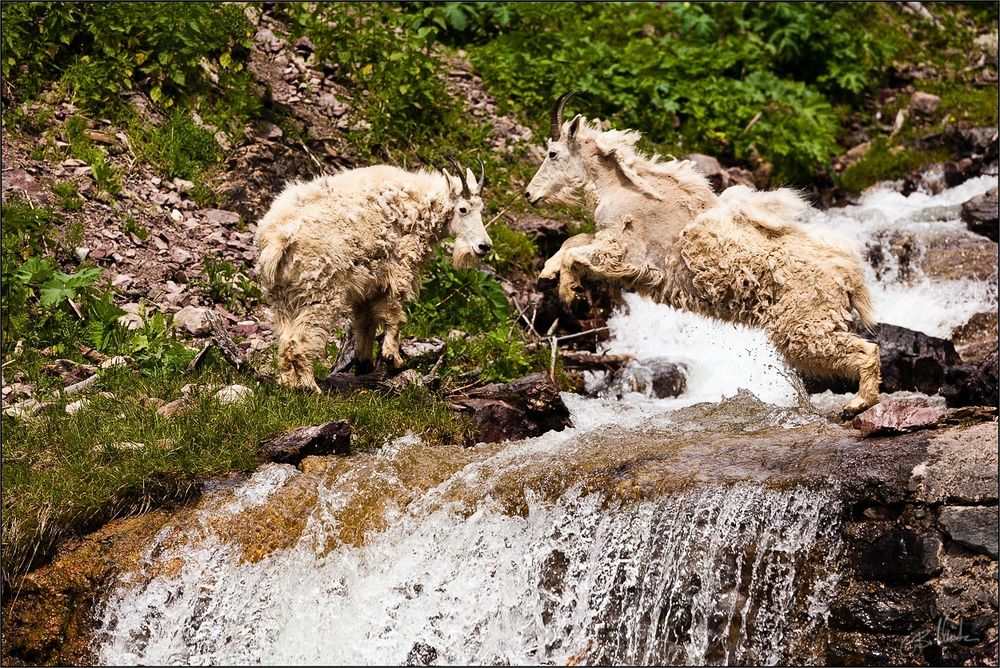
(708, 575)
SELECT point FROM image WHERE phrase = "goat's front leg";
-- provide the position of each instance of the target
(389, 312)
(604, 259)
(558, 271)
(552, 271)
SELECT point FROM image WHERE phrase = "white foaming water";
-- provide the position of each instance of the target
(720, 357)
(706, 576)
(930, 305)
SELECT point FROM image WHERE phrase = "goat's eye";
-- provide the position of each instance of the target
(552, 154)
(462, 210)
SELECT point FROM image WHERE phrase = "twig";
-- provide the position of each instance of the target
(306, 148)
(753, 122)
(584, 333)
(552, 359)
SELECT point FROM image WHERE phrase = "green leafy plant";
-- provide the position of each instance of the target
(132, 226)
(67, 191)
(103, 49)
(466, 299)
(227, 284)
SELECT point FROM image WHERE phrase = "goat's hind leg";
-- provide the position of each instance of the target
(864, 357)
(302, 338)
(840, 354)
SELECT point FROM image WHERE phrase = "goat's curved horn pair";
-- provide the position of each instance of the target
(557, 113)
(466, 192)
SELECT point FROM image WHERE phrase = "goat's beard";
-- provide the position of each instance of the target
(462, 257)
(566, 194)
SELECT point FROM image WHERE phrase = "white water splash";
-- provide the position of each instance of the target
(720, 357)
(929, 305)
(710, 576)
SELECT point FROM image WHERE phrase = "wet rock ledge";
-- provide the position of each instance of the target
(918, 533)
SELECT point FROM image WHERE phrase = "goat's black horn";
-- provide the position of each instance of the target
(461, 176)
(557, 113)
(482, 176)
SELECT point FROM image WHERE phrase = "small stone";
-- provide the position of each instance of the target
(304, 45)
(180, 256)
(195, 320)
(220, 217)
(122, 281)
(76, 406)
(972, 526)
(233, 394)
(87, 383)
(897, 417)
(924, 103)
(176, 215)
(183, 185)
(24, 408)
(223, 141)
(172, 408)
(82, 252)
(319, 440)
(114, 362)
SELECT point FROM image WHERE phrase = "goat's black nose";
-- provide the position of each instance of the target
(527, 195)
(485, 248)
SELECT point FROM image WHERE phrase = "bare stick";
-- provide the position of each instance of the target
(585, 333)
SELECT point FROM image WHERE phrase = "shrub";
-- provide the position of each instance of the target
(99, 50)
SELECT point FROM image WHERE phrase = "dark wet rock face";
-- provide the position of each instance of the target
(914, 361)
(654, 377)
(974, 527)
(526, 407)
(980, 214)
(292, 447)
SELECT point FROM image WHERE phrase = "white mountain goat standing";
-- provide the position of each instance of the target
(357, 241)
(740, 257)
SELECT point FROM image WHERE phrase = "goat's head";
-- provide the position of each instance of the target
(472, 243)
(563, 171)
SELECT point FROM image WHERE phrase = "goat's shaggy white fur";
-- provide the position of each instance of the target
(741, 256)
(356, 242)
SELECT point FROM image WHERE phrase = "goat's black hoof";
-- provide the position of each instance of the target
(545, 284)
(362, 367)
(390, 365)
(580, 306)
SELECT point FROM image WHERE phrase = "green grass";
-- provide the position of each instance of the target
(886, 160)
(63, 475)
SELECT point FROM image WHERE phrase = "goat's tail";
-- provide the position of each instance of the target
(271, 251)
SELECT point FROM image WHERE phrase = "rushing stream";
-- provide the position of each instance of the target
(648, 533)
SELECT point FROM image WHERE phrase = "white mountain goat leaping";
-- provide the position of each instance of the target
(740, 257)
(357, 241)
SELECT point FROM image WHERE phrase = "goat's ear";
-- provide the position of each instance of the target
(454, 185)
(574, 126)
(470, 178)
